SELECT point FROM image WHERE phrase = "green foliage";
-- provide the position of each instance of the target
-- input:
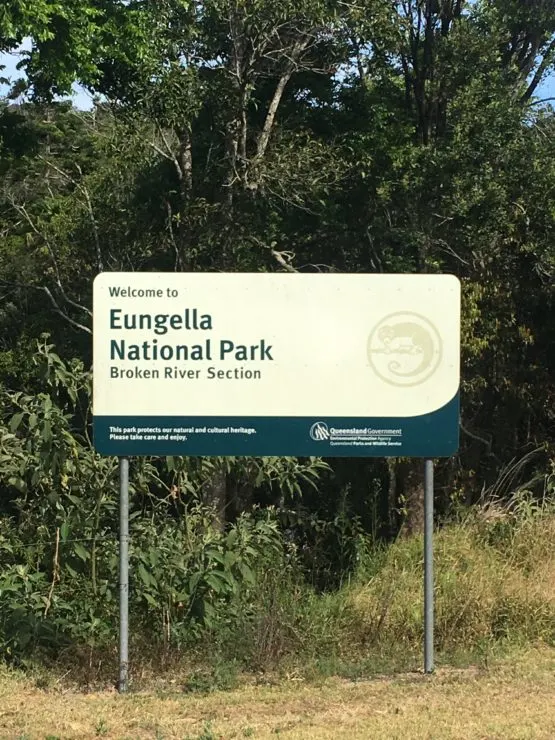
(61, 34)
(238, 593)
(59, 566)
(220, 676)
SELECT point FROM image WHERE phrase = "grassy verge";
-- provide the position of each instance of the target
(512, 698)
(494, 583)
(494, 588)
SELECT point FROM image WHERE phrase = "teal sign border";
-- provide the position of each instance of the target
(430, 435)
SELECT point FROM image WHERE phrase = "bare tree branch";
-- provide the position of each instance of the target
(284, 259)
(23, 212)
(185, 159)
(84, 190)
(542, 68)
(177, 264)
(539, 102)
(264, 138)
(55, 304)
(472, 435)
(169, 154)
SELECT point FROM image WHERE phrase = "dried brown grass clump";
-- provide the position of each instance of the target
(494, 579)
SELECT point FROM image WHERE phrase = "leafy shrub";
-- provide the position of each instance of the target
(58, 537)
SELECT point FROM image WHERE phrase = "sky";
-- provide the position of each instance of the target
(83, 100)
(547, 89)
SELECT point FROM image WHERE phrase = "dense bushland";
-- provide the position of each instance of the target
(245, 595)
(244, 135)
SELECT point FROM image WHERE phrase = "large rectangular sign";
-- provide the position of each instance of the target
(276, 364)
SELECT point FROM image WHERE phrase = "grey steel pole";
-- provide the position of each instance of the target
(428, 566)
(123, 573)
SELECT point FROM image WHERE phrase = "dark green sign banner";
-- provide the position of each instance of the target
(430, 435)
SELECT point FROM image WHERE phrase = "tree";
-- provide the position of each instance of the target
(243, 135)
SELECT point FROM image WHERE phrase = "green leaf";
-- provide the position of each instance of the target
(15, 422)
(194, 581)
(145, 576)
(230, 558)
(150, 599)
(215, 582)
(247, 573)
(18, 483)
(72, 572)
(64, 531)
(46, 432)
(80, 551)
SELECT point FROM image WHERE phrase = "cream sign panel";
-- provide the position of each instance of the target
(297, 361)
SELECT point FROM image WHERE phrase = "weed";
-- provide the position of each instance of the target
(101, 728)
(222, 676)
(491, 585)
(206, 734)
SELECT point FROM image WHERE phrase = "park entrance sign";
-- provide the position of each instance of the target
(276, 364)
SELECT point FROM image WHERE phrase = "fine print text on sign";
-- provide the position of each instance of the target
(276, 364)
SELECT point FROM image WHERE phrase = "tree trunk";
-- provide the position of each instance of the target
(410, 481)
(392, 498)
(215, 497)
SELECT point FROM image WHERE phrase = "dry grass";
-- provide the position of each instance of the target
(512, 699)
(484, 590)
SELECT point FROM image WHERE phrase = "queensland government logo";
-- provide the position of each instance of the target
(356, 436)
(319, 432)
(404, 349)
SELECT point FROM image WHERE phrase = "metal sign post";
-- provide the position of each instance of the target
(428, 566)
(123, 573)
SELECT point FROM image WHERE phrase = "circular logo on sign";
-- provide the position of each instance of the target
(404, 349)
(319, 431)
